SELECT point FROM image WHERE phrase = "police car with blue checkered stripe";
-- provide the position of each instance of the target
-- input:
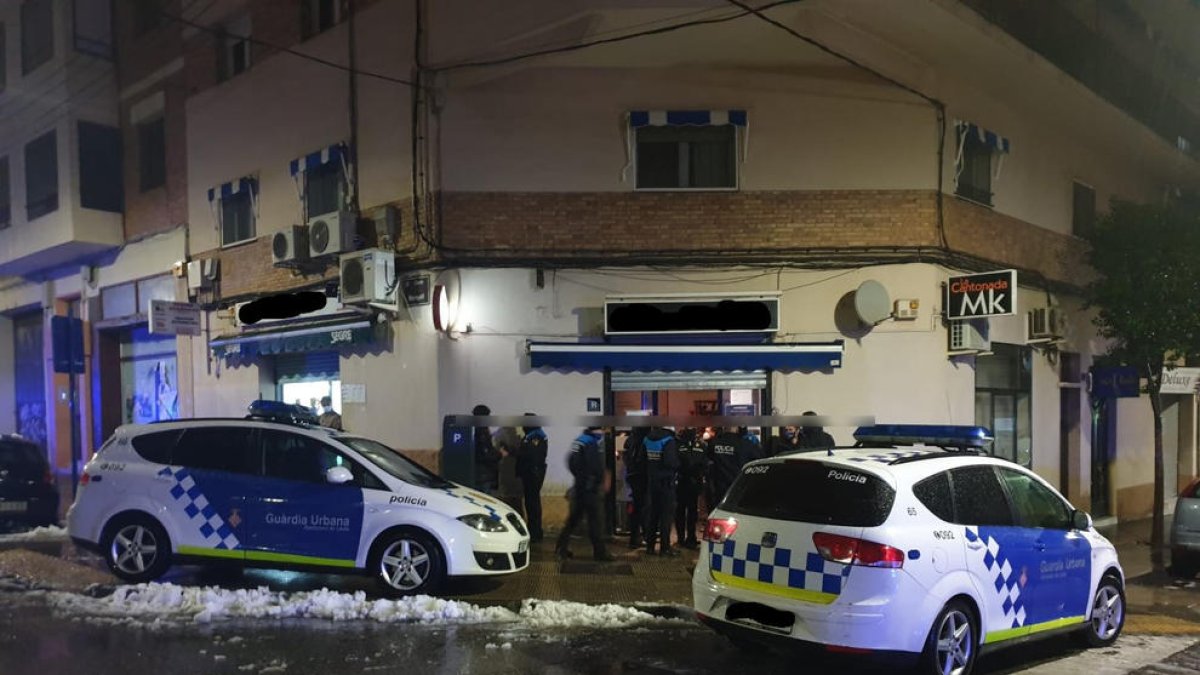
(915, 546)
(277, 490)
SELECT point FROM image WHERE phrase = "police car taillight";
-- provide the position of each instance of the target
(851, 551)
(719, 529)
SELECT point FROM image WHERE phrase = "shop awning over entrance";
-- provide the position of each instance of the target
(686, 357)
(310, 336)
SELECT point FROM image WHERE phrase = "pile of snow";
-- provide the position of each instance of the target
(158, 603)
(51, 533)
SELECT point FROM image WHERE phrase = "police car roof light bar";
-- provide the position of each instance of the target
(278, 411)
(944, 435)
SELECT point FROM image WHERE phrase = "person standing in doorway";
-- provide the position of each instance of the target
(662, 465)
(329, 417)
(592, 480)
(693, 465)
(635, 477)
(531, 469)
(487, 458)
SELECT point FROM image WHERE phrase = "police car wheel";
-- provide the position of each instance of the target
(408, 562)
(1107, 616)
(137, 549)
(950, 648)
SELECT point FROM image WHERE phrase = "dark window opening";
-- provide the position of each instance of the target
(100, 168)
(323, 189)
(156, 447)
(1083, 211)
(687, 157)
(233, 48)
(37, 34)
(1004, 400)
(5, 195)
(152, 154)
(975, 176)
(934, 493)
(978, 497)
(218, 449)
(41, 176)
(237, 218)
(318, 16)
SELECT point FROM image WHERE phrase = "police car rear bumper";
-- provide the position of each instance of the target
(875, 623)
(897, 660)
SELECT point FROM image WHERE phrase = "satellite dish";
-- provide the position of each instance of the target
(871, 302)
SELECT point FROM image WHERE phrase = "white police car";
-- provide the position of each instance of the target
(266, 493)
(906, 551)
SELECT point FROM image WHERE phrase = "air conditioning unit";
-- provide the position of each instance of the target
(1045, 324)
(367, 276)
(290, 245)
(969, 335)
(332, 233)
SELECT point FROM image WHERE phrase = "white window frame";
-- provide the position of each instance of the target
(683, 165)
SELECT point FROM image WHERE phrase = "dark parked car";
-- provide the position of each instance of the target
(1185, 532)
(28, 494)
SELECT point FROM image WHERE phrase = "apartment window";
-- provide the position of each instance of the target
(41, 176)
(237, 218)
(5, 195)
(100, 168)
(975, 170)
(37, 34)
(233, 43)
(1083, 211)
(318, 16)
(147, 15)
(323, 189)
(152, 154)
(687, 157)
(1003, 400)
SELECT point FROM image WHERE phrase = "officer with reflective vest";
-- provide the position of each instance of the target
(662, 466)
(592, 480)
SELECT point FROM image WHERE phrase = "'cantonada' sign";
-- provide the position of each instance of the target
(979, 295)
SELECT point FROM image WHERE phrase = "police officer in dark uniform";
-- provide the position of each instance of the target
(662, 465)
(635, 477)
(487, 457)
(693, 465)
(531, 469)
(813, 437)
(727, 452)
(586, 462)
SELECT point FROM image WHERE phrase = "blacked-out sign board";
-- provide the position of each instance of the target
(978, 295)
(416, 290)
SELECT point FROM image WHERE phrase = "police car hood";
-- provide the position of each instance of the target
(451, 498)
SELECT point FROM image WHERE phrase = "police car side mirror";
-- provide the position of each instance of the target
(338, 475)
(1080, 520)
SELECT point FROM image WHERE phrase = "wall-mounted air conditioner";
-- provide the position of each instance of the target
(331, 233)
(290, 245)
(969, 335)
(367, 276)
(1045, 324)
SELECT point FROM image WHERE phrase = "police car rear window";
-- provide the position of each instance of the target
(156, 447)
(811, 492)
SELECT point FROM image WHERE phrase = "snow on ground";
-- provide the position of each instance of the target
(51, 533)
(169, 603)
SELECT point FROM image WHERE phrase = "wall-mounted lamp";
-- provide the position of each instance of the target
(445, 308)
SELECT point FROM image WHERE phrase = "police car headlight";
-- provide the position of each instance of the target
(484, 523)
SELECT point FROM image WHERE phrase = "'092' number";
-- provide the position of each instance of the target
(757, 469)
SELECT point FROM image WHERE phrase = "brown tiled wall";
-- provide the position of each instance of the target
(247, 269)
(165, 207)
(698, 221)
(565, 224)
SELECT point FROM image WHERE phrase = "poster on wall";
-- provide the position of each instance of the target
(156, 391)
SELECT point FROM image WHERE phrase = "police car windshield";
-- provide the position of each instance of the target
(811, 492)
(394, 463)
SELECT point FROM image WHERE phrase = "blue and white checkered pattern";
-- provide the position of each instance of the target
(1004, 582)
(779, 566)
(214, 529)
(884, 457)
(225, 190)
(312, 160)
(662, 118)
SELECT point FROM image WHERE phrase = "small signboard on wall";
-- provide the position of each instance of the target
(174, 318)
(415, 289)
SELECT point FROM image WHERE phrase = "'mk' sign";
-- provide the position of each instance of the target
(977, 295)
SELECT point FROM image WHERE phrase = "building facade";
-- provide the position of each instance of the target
(530, 164)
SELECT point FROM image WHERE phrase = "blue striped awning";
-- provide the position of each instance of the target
(678, 118)
(989, 138)
(685, 357)
(246, 184)
(313, 160)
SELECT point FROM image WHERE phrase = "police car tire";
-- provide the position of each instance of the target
(930, 661)
(433, 579)
(1090, 635)
(151, 533)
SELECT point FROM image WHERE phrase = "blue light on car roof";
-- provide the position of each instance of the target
(963, 436)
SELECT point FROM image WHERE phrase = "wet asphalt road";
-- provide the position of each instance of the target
(35, 640)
